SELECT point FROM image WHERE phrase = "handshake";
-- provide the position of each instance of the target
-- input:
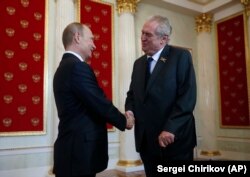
(130, 119)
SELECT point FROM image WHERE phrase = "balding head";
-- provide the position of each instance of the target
(69, 32)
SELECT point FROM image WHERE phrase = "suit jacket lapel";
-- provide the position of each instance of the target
(158, 67)
(142, 73)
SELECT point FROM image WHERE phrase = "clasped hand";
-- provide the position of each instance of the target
(166, 138)
(130, 119)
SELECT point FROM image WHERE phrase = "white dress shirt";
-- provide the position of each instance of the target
(155, 59)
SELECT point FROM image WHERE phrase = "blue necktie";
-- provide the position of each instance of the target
(148, 73)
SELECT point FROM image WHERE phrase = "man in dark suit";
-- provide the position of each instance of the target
(163, 104)
(81, 148)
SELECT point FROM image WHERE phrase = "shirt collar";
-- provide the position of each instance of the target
(156, 56)
(77, 55)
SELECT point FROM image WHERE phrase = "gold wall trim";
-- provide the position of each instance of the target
(45, 83)
(246, 4)
(129, 163)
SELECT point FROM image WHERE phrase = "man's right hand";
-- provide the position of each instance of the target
(130, 119)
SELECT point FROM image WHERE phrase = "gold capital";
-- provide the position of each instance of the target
(203, 23)
(126, 6)
(246, 4)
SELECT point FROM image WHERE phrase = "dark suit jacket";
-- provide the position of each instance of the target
(82, 144)
(167, 103)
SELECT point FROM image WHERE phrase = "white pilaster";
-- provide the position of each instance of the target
(65, 14)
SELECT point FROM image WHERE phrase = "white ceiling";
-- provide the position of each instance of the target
(194, 7)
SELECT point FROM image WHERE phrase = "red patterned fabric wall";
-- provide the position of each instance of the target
(232, 73)
(98, 16)
(22, 34)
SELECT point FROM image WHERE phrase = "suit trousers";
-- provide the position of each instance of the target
(151, 161)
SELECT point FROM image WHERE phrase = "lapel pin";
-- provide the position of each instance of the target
(163, 59)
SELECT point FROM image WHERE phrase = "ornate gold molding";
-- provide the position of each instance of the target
(203, 23)
(127, 163)
(246, 4)
(210, 153)
(126, 6)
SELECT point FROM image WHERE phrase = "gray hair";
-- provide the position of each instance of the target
(164, 27)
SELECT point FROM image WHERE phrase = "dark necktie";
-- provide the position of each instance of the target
(148, 73)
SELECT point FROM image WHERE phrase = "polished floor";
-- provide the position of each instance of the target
(115, 173)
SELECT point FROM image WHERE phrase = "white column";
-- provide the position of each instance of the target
(65, 14)
(129, 159)
(207, 102)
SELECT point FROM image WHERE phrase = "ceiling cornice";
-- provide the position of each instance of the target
(198, 6)
(195, 7)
